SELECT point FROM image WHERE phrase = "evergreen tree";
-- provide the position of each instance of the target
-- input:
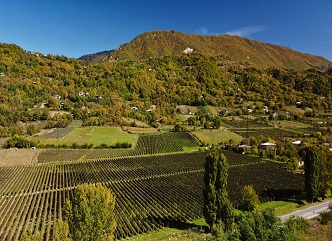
(90, 214)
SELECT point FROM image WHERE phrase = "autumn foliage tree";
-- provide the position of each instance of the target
(249, 200)
(90, 214)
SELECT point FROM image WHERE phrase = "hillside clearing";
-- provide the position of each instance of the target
(217, 136)
(92, 135)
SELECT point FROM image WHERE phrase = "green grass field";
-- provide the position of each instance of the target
(217, 136)
(93, 135)
(167, 234)
(209, 109)
(282, 207)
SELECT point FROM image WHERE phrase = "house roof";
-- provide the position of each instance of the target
(244, 146)
(267, 144)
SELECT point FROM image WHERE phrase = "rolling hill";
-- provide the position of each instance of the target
(158, 44)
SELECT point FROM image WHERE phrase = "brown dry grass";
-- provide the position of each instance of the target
(128, 121)
(318, 233)
(3, 140)
(15, 157)
(138, 130)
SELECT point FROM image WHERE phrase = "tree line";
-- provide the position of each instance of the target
(249, 222)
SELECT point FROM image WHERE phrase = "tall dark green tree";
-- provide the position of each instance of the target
(217, 206)
(210, 193)
(90, 214)
(313, 163)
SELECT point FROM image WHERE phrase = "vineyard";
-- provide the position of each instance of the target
(58, 133)
(246, 123)
(152, 192)
(274, 133)
(169, 142)
(251, 128)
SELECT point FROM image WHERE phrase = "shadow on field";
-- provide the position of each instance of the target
(181, 225)
(291, 195)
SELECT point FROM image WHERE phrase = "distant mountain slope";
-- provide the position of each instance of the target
(96, 57)
(166, 43)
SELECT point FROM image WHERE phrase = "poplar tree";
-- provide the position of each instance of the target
(313, 159)
(210, 193)
(217, 206)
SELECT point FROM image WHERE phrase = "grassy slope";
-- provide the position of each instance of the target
(217, 136)
(166, 43)
(167, 234)
(94, 135)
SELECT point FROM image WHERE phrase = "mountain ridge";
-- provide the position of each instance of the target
(157, 44)
(96, 57)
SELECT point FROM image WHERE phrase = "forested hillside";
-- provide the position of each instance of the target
(158, 44)
(32, 84)
(96, 57)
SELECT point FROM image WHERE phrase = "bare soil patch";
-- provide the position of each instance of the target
(15, 157)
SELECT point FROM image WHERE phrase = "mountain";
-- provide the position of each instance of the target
(96, 57)
(158, 44)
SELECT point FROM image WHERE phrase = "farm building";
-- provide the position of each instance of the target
(266, 145)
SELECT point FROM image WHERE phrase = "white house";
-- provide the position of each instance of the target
(266, 145)
(188, 50)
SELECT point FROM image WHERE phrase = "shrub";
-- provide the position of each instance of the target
(18, 141)
(326, 217)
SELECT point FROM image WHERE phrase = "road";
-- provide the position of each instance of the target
(308, 213)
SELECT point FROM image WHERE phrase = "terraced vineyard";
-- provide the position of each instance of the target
(169, 142)
(151, 192)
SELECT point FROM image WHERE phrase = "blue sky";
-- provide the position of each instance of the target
(77, 27)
